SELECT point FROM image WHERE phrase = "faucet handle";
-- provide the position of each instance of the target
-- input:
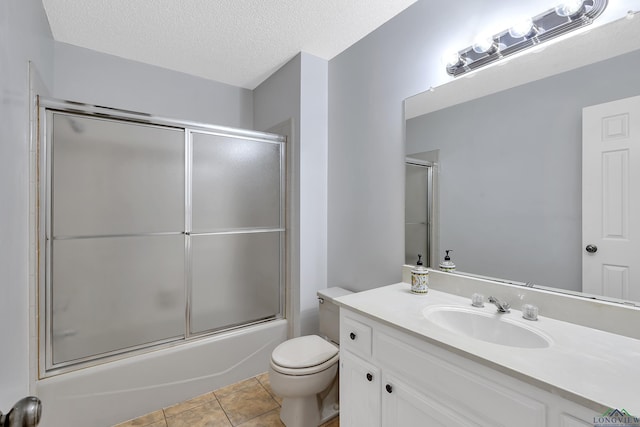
(477, 300)
(530, 312)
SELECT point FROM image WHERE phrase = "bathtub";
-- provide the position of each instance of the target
(107, 394)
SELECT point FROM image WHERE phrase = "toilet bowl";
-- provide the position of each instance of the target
(304, 371)
(301, 382)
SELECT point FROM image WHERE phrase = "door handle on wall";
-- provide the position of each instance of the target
(25, 413)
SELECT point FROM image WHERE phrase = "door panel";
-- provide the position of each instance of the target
(611, 199)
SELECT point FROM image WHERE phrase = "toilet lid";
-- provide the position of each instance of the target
(303, 352)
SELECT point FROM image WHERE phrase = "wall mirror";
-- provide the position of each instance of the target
(509, 140)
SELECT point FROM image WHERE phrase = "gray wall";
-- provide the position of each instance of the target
(277, 100)
(24, 36)
(298, 90)
(367, 85)
(96, 78)
(510, 172)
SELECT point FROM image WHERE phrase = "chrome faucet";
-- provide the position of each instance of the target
(503, 307)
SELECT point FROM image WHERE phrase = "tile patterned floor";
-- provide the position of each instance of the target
(249, 403)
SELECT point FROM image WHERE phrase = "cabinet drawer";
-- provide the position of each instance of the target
(355, 336)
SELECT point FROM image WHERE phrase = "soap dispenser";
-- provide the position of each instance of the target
(447, 265)
(419, 278)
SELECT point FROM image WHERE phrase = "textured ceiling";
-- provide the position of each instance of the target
(239, 42)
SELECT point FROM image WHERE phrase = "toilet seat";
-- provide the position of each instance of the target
(304, 355)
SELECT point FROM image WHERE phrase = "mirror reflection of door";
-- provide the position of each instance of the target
(418, 200)
(611, 199)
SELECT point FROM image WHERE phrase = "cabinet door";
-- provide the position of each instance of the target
(458, 386)
(359, 392)
(404, 406)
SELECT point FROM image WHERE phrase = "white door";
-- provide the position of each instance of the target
(611, 199)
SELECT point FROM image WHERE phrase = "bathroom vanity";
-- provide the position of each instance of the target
(434, 359)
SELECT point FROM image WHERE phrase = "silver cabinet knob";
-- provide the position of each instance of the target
(592, 249)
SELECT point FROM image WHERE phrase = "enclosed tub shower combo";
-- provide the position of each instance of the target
(152, 233)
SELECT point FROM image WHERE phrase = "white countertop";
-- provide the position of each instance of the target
(591, 367)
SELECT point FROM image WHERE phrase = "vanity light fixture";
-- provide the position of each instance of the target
(565, 17)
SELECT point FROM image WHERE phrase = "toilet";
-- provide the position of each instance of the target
(304, 370)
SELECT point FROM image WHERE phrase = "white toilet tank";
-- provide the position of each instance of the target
(329, 313)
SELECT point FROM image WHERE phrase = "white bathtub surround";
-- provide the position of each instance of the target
(611, 317)
(107, 394)
(591, 368)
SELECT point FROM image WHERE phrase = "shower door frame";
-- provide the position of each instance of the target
(46, 107)
(429, 258)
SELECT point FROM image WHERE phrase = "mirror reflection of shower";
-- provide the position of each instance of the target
(418, 211)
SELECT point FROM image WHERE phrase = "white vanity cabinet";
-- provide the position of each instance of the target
(390, 378)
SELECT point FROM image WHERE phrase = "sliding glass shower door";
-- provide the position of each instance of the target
(117, 246)
(237, 235)
(154, 232)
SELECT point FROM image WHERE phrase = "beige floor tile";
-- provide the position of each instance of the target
(246, 402)
(270, 419)
(264, 380)
(233, 388)
(188, 404)
(332, 423)
(146, 420)
(209, 414)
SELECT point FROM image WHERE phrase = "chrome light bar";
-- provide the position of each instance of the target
(564, 18)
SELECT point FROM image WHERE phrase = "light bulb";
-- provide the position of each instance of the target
(484, 44)
(522, 29)
(452, 59)
(569, 8)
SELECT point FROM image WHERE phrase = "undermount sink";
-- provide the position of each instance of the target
(494, 328)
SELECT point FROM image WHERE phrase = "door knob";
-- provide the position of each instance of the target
(592, 249)
(369, 377)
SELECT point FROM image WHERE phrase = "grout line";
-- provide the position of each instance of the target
(164, 415)
(215, 397)
(224, 411)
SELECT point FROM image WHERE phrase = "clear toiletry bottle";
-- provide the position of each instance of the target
(419, 278)
(447, 265)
